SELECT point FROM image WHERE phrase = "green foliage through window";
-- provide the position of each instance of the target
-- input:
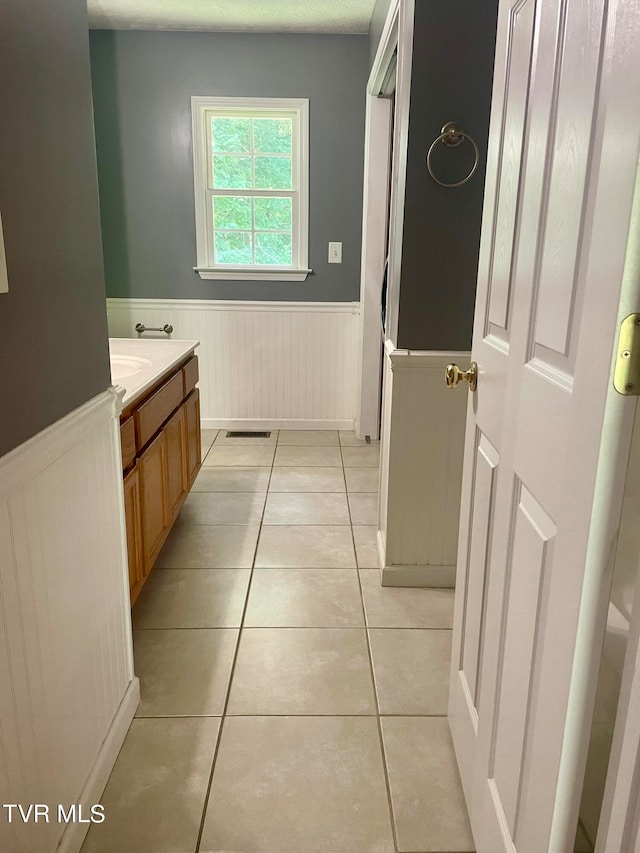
(274, 249)
(231, 134)
(232, 212)
(233, 247)
(272, 214)
(254, 155)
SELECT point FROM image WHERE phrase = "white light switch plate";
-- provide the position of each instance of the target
(335, 253)
(4, 278)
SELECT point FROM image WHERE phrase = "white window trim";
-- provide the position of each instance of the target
(299, 271)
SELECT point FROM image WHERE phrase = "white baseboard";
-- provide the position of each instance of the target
(274, 423)
(75, 833)
(420, 576)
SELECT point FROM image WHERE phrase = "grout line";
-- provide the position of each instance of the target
(286, 627)
(287, 715)
(205, 805)
(385, 770)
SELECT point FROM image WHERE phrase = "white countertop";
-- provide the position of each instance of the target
(136, 365)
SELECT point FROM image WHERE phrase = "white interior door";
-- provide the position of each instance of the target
(545, 432)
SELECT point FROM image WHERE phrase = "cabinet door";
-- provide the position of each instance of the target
(175, 431)
(154, 498)
(194, 444)
(134, 532)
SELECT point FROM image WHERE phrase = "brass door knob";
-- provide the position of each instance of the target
(454, 376)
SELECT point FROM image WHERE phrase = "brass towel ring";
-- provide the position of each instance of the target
(452, 136)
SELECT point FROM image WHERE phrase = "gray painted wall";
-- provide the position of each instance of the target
(142, 84)
(53, 330)
(451, 80)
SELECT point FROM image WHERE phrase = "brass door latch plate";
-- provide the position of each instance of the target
(626, 377)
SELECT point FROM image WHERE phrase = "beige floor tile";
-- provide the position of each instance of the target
(249, 441)
(307, 479)
(156, 792)
(208, 436)
(292, 784)
(411, 670)
(305, 547)
(428, 804)
(222, 508)
(367, 456)
(302, 671)
(348, 439)
(183, 672)
(192, 598)
(209, 546)
(233, 455)
(366, 549)
(304, 598)
(362, 479)
(212, 479)
(309, 456)
(392, 607)
(306, 508)
(316, 437)
(363, 507)
(204, 449)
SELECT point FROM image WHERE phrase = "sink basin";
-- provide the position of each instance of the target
(123, 366)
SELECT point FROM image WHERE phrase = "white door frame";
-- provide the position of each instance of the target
(377, 152)
(619, 827)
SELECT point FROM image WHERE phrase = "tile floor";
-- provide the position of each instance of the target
(290, 704)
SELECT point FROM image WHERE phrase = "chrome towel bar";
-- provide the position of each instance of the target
(167, 328)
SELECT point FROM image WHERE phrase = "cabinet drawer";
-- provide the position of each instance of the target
(150, 416)
(190, 376)
(128, 443)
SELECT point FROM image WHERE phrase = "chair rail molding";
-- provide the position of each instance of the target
(66, 661)
(421, 469)
(263, 365)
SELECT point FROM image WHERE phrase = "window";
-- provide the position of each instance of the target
(250, 160)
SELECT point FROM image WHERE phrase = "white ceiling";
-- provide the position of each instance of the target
(295, 16)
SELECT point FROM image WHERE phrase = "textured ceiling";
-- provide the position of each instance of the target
(295, 16)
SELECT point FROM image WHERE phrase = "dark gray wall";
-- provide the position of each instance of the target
(53, 332)
(143, 83)
(378, 17)
(451, 80)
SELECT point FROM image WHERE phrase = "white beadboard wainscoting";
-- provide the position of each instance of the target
(68, 690)
(423, 424)
(263, 365)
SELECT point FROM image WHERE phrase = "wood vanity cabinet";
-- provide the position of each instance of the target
(132, 505)
(161, 457)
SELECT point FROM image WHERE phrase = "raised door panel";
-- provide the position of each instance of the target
(175, 433)
(477, 567)
(194, 444)
(154, 498)
(133, 517)
(505, 213)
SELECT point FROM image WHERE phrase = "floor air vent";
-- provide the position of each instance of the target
(247, 434)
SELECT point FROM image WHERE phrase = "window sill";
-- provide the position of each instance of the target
(285, 274)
